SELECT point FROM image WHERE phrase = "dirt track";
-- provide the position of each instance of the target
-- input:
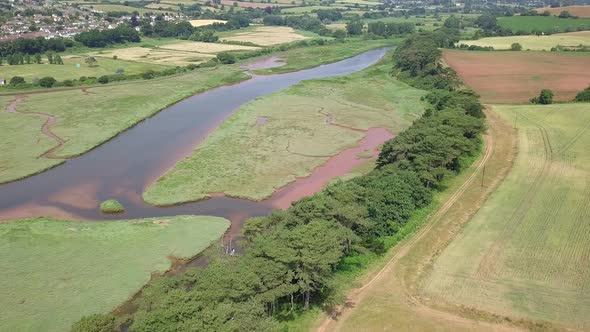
(390, 299)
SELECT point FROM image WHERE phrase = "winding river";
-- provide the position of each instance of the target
(124, 166)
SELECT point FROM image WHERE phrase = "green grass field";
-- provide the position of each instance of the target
(247, 160)
(535, 43)
(121, 8)
(54, 272)
(308, 57)
(543, 23)
(92, 117)
(69, 70)
(525, 253)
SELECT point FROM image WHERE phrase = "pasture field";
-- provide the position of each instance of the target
(516, 77)
(264, 35)
(200, 23)
(247, 160)
(121, 8)
(308, 57)
(56, 271)
(550, 24)
(92, 116)
(309, 9)
(69, 70)
(525, 253)
(535, 43)
(580, 11)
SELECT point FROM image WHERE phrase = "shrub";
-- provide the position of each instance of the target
(226, 58)
(583, 95)
(104, 79)
(148, 74)
(111, 206)
(47, 82)
(68, 83)
(95, 323)
(544, 98)
(516, 47)
(16, 80)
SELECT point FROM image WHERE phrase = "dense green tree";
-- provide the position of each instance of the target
(95, 323)
(544, 98)
(16, 80)
(516, 47)
(226, 58)
(354, 27)
(583, 95)
(47, 82)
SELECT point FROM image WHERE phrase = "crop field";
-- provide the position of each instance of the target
(305, 125)
(70, 70)
(516, 77)
(535, 43)
(551, 24)
(580, 11)
(92, 116)
(121, 8)
(200, 23)
(154, 56)
(265, 36)
(525, 253)
(54, 271)
(206, 48)
(308, 57)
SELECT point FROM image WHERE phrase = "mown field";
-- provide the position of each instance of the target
(248, 160)
(516, 77)
(525, 253)
(535, 43)
(265, 36)
(54, 271)
(552, 24)
(70, 70)
(92, 116)
(580, 11)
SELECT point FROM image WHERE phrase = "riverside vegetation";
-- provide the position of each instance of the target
(292, 257)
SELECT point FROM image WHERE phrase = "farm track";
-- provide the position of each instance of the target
(403, 282)
(45, 129)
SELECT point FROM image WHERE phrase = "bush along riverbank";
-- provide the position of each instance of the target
(292, 258)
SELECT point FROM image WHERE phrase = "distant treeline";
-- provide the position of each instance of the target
(34, 46)
(292, 256)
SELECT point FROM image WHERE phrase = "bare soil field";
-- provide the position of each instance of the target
(266, 36)
(580, 11)
(525, 253)
(516, 77)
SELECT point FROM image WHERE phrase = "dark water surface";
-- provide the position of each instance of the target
(124, 166)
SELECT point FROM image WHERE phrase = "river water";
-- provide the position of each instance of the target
(124, 166)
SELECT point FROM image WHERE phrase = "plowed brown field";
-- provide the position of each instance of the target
(516, 77)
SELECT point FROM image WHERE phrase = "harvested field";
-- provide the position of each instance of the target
(304, 126)
(205, 48)
(266, 36)
(580, 11)
(200, 23)
(515, 77)
(121, 8)
(55, 271)
(155, 56)
(535, 43)
(244, 4)
(525, 253)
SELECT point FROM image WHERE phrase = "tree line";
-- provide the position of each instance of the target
(291, 256)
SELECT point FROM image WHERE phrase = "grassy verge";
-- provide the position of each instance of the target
(56, 271)
(308, 57)
(248, 160)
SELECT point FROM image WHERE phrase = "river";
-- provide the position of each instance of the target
(124, 166)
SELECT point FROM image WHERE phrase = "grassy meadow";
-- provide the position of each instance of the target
(69, 70)
(247, 160)
(534, 43)
(524, 254)
(55, 271)
(553, 24)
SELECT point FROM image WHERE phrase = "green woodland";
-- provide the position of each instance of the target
(291, 257)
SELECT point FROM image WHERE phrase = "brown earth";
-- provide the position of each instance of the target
(580, 11)
(516, 77)
(390, 298)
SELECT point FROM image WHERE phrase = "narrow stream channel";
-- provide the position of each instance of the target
(124, 166)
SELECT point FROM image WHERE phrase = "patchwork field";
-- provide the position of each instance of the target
(54, 271)
(551, 24)
(264, 36)
(515, 77)
(69, 70)
(92, 116)
(580, 11)
(535, 43)
(304, 125)
(525, 253)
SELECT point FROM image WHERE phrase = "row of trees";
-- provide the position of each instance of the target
(34, 46)
(102, 38)
(291, 256)
(390, 29)
(21, 59)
